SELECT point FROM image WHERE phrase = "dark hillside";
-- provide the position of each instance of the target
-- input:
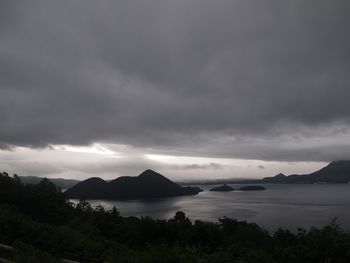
(148, 184)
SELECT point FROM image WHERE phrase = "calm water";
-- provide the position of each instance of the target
(287, 206)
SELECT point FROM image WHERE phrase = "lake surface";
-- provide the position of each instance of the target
(286, 206)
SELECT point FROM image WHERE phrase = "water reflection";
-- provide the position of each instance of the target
(288, 206)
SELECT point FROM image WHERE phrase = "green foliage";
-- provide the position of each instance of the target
(44, 226)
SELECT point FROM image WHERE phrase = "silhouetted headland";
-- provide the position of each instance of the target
(222, 188)
(335, 172)
(148, 184)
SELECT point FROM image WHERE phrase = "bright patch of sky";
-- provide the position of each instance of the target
(109, 161)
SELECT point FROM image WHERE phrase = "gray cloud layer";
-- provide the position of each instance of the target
(248, 79)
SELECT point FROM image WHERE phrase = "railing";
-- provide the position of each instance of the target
(69, 261)
(8, 252)
(83, 258)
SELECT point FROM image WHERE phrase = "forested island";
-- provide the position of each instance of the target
(148, 184)
(222, 188)
(43, 226)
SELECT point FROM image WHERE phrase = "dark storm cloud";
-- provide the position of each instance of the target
(184, 75)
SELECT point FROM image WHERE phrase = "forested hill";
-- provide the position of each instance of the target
(148, 184)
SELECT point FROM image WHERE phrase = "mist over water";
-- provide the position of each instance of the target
(286, 206)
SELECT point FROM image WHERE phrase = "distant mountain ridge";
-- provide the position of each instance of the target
(59, 182)
(148, 184)
(334, 172)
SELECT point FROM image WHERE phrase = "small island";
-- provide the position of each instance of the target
(222, 188)
(252, 188)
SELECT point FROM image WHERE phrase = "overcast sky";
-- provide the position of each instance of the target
(192, 88)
